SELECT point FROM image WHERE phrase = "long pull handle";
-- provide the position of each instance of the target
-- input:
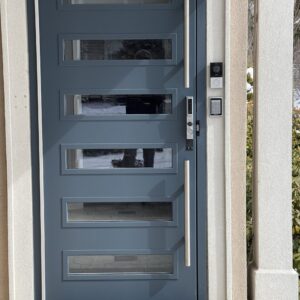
(187, 227)
(186, 43)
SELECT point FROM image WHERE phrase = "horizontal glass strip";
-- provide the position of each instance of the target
(119, 211)
(120, 264)
(124, 2)
(117, 105)
(127, 49)
(93, 159)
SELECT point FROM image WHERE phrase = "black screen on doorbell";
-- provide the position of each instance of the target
(216, 69)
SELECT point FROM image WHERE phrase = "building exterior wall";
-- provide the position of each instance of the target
(18, 148)
(238, 121)
(226, 208)
(272, 274)
(216, 218)
(3, 196)
(226, 152)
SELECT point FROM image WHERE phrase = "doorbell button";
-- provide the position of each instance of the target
(216, 83)
(216, 106)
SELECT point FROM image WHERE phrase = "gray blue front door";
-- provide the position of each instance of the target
(115, 150)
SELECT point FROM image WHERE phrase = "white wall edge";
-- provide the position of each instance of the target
(272, 274)
(216, 208)
(18, 148)
(8, 129)
(227, 150)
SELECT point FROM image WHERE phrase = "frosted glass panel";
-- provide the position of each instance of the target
(124, 2)
(116, 264)
(116, 105)
(129, 49)
(93, 159)
(119, 211)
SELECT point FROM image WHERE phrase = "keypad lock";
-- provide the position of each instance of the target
(189, 123)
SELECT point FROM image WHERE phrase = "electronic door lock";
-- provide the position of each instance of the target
(189, 123)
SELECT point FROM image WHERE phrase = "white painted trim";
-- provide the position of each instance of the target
(18, 148)
(216, 208)
(227, 152)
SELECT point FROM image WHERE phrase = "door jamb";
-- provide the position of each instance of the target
(201, 169)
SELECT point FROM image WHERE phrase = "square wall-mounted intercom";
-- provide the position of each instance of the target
(216, 106)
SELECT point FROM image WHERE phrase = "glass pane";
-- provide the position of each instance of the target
(116, 2)
(119, 211)
(119, 158)
(131, 49)
(116, 105)
(143, 264)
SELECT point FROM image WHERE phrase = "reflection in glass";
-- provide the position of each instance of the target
(116, 2)
(107, 264)
(131, 49)
(116, 105)
(119, 158)
(119, 211)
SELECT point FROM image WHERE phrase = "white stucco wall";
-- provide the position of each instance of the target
(235, 149)
(215, 159)
(3, 198)
(272, 275)
(18, 152)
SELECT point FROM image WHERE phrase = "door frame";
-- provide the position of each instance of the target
(21, 82)
(201, 173)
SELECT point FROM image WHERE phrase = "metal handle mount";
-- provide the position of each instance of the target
(187, 227)
(189, 123)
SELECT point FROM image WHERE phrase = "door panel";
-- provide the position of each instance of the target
(114, 147)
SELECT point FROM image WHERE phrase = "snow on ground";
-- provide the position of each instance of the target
(249, 88)
(248, 85)
(100, 109)
(297, 98)
(250, 71)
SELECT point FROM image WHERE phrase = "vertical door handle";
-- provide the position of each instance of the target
(187, 225)
(186, 43)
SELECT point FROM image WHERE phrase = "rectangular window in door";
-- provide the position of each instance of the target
(118, 159)
(80, 50)
(116, 265)
(120, 212)
(119, 105)
(114, 2)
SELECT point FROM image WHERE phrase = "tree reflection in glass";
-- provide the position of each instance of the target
(130, 49)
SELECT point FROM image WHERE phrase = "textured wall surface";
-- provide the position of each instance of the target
(272, 275)
(238, 115)
(18, 148)
(216, 231)
(3, 196)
